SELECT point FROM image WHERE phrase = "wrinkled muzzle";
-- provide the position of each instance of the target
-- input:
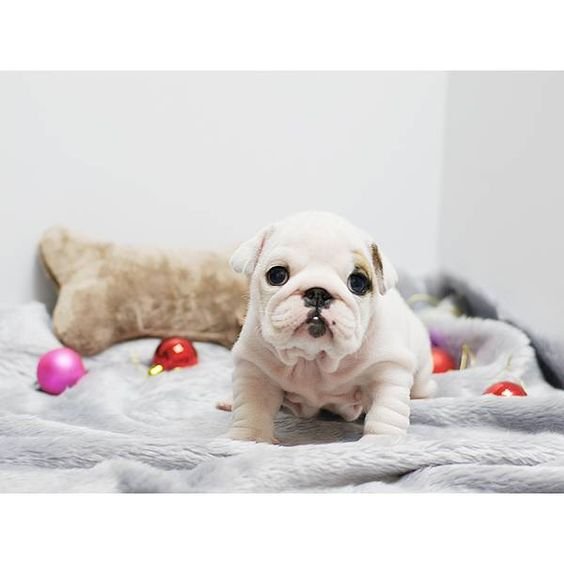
(312, 322)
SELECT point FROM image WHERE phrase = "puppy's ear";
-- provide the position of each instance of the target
(245, 258)
(386, 275)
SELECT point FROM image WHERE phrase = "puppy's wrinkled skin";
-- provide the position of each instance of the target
(310, 342)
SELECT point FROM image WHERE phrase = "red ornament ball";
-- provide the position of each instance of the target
(442, 361)
(174, 352)
(505, 389)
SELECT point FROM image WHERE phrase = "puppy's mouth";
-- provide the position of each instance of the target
(316, 324)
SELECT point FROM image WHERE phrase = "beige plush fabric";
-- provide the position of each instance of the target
(111, 293)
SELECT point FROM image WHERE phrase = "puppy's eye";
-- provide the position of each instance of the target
(277, 276)
(358, 283)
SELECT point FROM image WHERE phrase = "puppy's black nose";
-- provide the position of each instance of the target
(317, 297)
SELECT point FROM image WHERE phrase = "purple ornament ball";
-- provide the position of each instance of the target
(437, 339)
(58, 370)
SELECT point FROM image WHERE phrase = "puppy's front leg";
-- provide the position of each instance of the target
(256, 400)
(387, 401)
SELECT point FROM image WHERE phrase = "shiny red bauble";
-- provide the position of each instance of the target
(505, 389)
(442, 361)
(174, 352)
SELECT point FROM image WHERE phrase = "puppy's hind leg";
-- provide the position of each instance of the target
(424, 386)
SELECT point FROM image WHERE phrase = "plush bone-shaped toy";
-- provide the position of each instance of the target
(110, 293)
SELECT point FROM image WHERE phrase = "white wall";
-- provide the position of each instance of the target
(502, 224)
(204, 159)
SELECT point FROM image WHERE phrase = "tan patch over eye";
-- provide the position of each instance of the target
(361, 264)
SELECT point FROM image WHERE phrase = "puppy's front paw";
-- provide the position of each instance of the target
(383, 440)
(385, 434)
(251, 435)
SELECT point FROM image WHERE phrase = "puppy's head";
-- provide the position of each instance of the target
(315, 280)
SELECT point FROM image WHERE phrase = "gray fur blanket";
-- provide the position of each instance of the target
(118, 430)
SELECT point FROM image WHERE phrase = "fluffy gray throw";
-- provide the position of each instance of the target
(119, 430)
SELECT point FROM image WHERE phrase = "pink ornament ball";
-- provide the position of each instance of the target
(58, 370)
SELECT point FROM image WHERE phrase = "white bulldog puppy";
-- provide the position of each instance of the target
(325, 328)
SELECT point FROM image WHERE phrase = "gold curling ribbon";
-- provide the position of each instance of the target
(466, 357)
(423, 298)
